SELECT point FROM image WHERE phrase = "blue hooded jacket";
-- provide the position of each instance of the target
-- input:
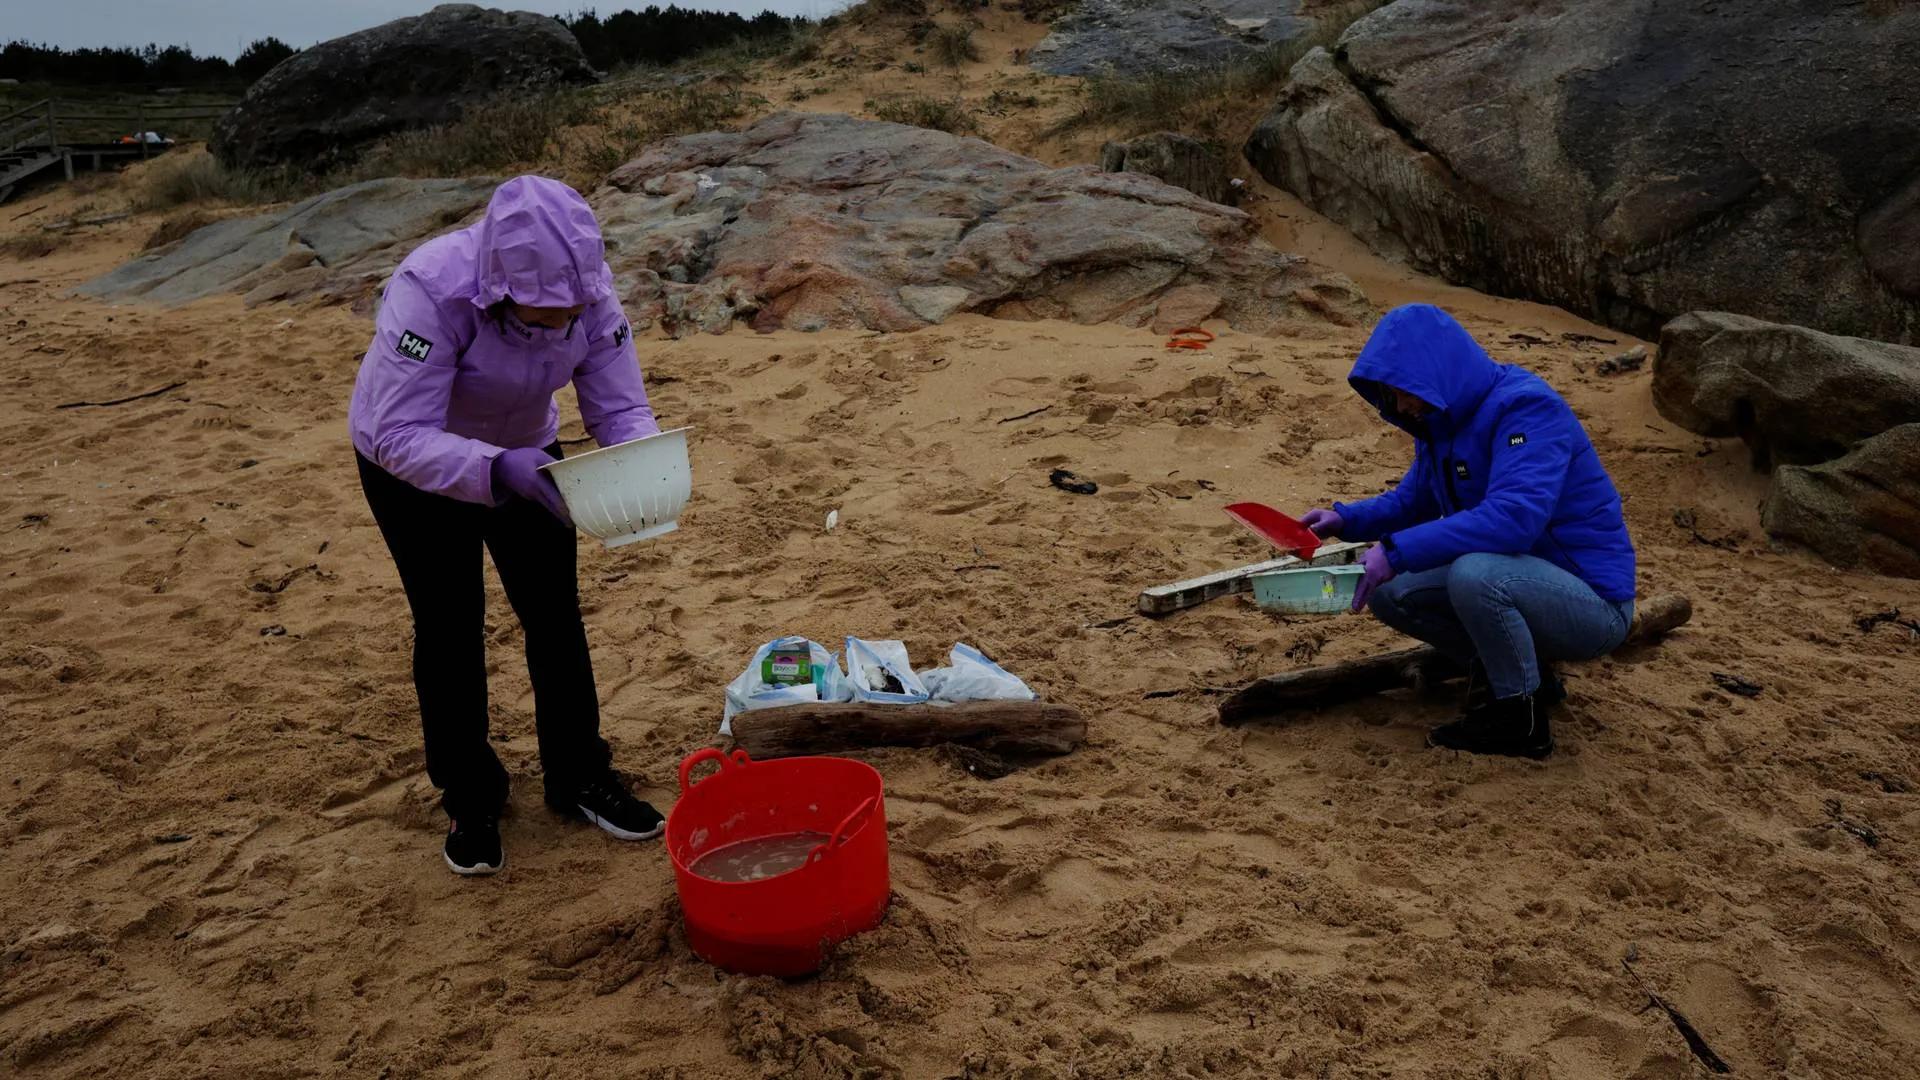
(1501, 464)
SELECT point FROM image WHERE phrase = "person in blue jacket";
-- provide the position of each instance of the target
(1504, 545)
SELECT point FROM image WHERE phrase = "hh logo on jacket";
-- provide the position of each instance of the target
(415, 346)
(1512, 440)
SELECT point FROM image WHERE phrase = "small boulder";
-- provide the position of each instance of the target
(1185, 307)
(933, 302)
(1180, 160)
(319, 107)
(1860, 510)
(1796, 396)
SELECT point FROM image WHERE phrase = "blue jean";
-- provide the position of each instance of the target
(1510, 611)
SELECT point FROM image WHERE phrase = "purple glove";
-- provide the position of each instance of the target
(1324, 523)
(518, 471)
(1379, 572)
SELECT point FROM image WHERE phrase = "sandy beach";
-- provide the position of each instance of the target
(220, 848)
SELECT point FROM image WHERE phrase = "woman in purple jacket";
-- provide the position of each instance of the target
(452, 417)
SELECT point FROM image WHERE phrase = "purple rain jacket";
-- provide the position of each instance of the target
(444, 389)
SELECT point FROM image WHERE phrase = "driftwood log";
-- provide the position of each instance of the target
(1421, 667)
(1005, 728)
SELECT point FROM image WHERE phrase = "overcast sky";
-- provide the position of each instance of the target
(224, 27)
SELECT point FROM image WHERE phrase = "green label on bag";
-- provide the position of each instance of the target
(787, 669)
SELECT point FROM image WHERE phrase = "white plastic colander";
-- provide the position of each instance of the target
(627, 492)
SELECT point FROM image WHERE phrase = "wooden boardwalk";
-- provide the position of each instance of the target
(53, 133)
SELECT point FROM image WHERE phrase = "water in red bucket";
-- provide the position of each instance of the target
(777, 860)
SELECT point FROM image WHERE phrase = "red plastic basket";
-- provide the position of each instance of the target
(780, 925)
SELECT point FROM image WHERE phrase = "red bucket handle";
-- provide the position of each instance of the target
(736, 760)
(847, 825)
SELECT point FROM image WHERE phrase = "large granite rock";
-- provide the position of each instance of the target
(1137, 37)
(322, 105)
(1630, 161)
(1181, 160)
(1797, 396)
(812, 221)
(1860, 510)
(337, 246)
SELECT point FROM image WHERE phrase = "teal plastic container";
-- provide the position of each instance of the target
(1309, 590)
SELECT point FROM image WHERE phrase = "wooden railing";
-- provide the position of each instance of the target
(53, 123)
(29, 126)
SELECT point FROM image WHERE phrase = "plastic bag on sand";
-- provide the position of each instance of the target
(753, 691)
(970, 676)
(880, 672)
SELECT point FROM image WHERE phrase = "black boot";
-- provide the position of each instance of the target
(1480, 689)
(1514, 727)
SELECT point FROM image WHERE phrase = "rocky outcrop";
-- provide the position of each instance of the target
(337, 246)
(1797, 396)
(1839, 417)
(1180, 160)
(1137, 37)
(1628, 161)
(322, 105)
(812, 221)
(1861, 510)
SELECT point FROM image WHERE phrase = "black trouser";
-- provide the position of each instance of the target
(435, 541)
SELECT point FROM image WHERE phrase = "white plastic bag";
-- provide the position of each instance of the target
(751, 690)
(875, 666)
(970, 676)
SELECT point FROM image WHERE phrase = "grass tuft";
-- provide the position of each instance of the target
(920, 110)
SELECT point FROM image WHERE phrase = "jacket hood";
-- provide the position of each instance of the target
(539, 244)
(1420, 349)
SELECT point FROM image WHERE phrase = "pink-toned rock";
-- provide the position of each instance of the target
(811, 221)
(1188, 305)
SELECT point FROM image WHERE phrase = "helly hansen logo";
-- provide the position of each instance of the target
(1517, 440)
(620, 336)
(1460, 469)
(415, 346)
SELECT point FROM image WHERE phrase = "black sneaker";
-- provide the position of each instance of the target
(1551, 693)
(473, 846)
(1513, 727)
(607, 803)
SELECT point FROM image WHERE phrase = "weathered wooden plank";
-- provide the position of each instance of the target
(998, 727)
(1331, 684)
(1167, 599)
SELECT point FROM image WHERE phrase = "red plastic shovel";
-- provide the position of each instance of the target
(1276, 528)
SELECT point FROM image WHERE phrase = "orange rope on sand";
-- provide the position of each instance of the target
(1190, 338)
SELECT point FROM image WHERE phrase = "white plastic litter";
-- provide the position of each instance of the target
(750, 691)
(970, 676)
(869, 665)
(833, 519)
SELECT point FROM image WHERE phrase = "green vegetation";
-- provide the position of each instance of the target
(151, 66)
(577, 135)
(194, 176)
(952, 46)
(509, 130)
(30, 245)
(176, 226)
(921, 110)
(656, 36)
(586, 157)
